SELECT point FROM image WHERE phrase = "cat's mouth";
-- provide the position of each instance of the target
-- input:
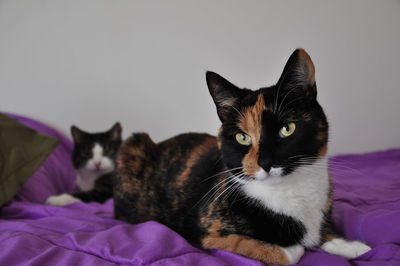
(102, 170)
(273, 172)
(273, 176)
(96, 170)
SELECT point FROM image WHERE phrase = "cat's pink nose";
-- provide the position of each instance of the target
(97, 165)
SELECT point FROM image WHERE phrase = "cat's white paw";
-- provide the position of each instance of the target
(345, 248)
(294, 253)
(61, 200)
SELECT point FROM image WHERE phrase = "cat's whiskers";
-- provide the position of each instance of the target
(277, 93)
(234, 190)
(281, 114)
(228, 170)
(218, 186)
(211, 196)
(341, 162)
(233, 107)
(230, 179)
(331, 165)
(302, 155)
(316, 171)
(315, 167)
(219, 159)
(283, 100)
(230, 186)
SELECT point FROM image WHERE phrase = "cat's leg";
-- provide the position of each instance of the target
(337, 245)
(334, 244)
(61, 200)
(258, 250)
(102, 190)
(345, 248)
(94, 195)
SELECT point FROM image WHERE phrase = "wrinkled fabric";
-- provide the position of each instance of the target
(88, 234)
(22, 151)
(56, 175)
(366, 207)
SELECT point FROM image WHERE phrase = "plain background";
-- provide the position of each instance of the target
(92, 63)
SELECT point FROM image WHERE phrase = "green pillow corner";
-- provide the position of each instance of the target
(22, 151)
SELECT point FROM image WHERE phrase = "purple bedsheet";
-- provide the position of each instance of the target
(366, 207)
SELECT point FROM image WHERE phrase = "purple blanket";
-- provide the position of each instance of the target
(366, 207)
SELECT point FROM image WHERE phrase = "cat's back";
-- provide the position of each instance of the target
(184, 147)
(168, 162)
(183, 151)
(164, 181)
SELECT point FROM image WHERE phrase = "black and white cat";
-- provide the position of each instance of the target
(94, 158)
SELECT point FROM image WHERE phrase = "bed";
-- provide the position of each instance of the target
(366, 207)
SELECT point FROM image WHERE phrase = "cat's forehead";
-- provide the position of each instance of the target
(251, 115)
(92, 138)
(263, 103)
(270, 100)
(251, 118)
(253, 97)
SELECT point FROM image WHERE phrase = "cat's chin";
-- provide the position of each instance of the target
(271, 180)
(88, 170)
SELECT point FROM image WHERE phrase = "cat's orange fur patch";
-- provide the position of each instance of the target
(269, 254)
(128, 186)
(127, 163)
(322, 151)
(215, 226)
(322, 132)
(130, 157)
(250, 123)
(128, 183)
(219, 142)
(194, 157)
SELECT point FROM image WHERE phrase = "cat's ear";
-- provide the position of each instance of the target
(298, 77)
(77, 134)
(116, 132)
(224, 94)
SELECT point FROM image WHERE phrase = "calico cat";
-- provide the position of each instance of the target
(94, 158)
(260, 189)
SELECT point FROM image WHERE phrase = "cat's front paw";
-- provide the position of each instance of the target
(61, 200)
(345, 248)
(294, 253)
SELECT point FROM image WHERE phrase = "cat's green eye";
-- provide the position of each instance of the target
(243, 139)
(287, 130)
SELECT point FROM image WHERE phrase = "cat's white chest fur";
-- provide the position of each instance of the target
(86, 182)
(88, 175)
(302, 195)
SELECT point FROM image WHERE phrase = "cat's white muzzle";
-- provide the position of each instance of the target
(273, 177)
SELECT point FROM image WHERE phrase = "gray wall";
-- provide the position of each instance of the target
(91, 63)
